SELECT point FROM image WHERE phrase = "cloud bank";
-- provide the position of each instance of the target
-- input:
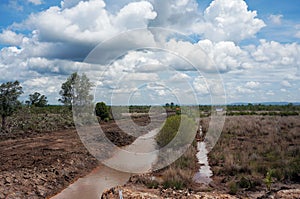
(50, 44)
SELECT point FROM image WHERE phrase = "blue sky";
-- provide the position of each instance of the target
(17, 11)
(245, 51)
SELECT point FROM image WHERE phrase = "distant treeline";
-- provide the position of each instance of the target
(271, 113)
(250, 108)
(261, 107)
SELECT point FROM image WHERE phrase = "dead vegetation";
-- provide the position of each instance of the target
(252, 146)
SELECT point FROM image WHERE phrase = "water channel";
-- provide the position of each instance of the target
(204, 174)
(103, 178)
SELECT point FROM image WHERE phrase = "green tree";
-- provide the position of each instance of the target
(38, 100)
(76, 90)
(172, 105)
(9, 103)
(102, 111)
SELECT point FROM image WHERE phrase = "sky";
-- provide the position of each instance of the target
(153, 51)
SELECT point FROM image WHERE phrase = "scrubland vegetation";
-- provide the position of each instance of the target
(259, 148)
(260, 109)
(33, 120)
(180, 173)
(253, 150)
(257, 152)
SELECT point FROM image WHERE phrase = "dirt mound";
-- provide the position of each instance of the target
(135, 191)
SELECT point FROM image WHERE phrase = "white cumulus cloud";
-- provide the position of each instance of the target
(276, 54)
(135, 15)
(231, 20)
(225, 54)
(11, 38)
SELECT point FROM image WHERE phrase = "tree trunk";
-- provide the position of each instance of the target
(3, 122)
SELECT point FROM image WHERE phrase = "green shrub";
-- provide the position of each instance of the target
(177, 125)
(102, 111)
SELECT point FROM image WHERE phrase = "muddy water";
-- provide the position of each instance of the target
(138, 157)
(93, 185)
(204, 174)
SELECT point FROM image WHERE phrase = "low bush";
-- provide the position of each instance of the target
(41, 119)
(102, 111)
(181, 126)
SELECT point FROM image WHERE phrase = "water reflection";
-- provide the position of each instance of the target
(204, 173)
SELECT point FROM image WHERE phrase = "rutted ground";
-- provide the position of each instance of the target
(40, 165)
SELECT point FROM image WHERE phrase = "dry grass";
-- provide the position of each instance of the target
(250, 146)
(180, 174)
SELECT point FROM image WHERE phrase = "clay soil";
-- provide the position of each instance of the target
(40, 165)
